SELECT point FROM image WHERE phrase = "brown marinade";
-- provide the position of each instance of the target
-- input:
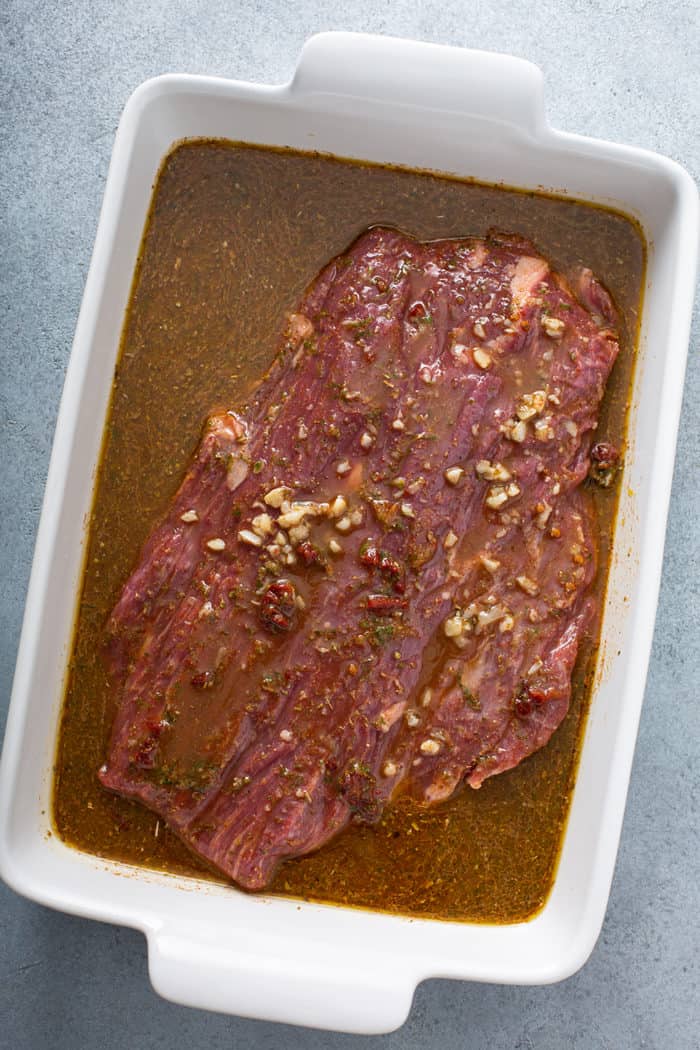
(234, 236)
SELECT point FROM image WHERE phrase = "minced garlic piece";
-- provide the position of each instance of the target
(485, 617)
(189, 516)
(297, 512)
(450, 540)
(543, 429)
(366, 441)
(481, 358)
(297, 533)
(216, 544)
(496, 497)
(246, 536)
(276, 497)
(531, 405)
(453, 625)
(262, 524)
(543, 512)
(389, 769)
(553, 326)
(338, 507)
(453, 475)
(430, 747)
(492, 471)
(527, 585)
(490, 564)
(515, 430)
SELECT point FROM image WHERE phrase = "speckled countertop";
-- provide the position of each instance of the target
(618, 69)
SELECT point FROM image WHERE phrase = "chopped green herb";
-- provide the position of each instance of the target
(470, 698)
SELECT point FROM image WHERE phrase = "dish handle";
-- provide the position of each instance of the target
(387, 69)
(275, 979)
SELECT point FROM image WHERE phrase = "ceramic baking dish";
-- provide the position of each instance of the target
(464, 112)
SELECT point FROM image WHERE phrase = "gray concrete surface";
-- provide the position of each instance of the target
(619, 69)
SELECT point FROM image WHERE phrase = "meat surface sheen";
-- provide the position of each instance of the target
(375, 578)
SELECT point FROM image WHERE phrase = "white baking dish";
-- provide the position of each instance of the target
(464, 112)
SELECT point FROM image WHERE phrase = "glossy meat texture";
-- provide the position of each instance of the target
(375, 578)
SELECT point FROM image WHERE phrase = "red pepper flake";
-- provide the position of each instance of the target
(388, 565)
(523, 705)
(369, 554)
(278, 606)
(385, 604)
(202, 680)
(537, 695)
(605, 461)
(310, 554)
(527, 699)
(605, 455)
(145, 757)
(417, 311)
